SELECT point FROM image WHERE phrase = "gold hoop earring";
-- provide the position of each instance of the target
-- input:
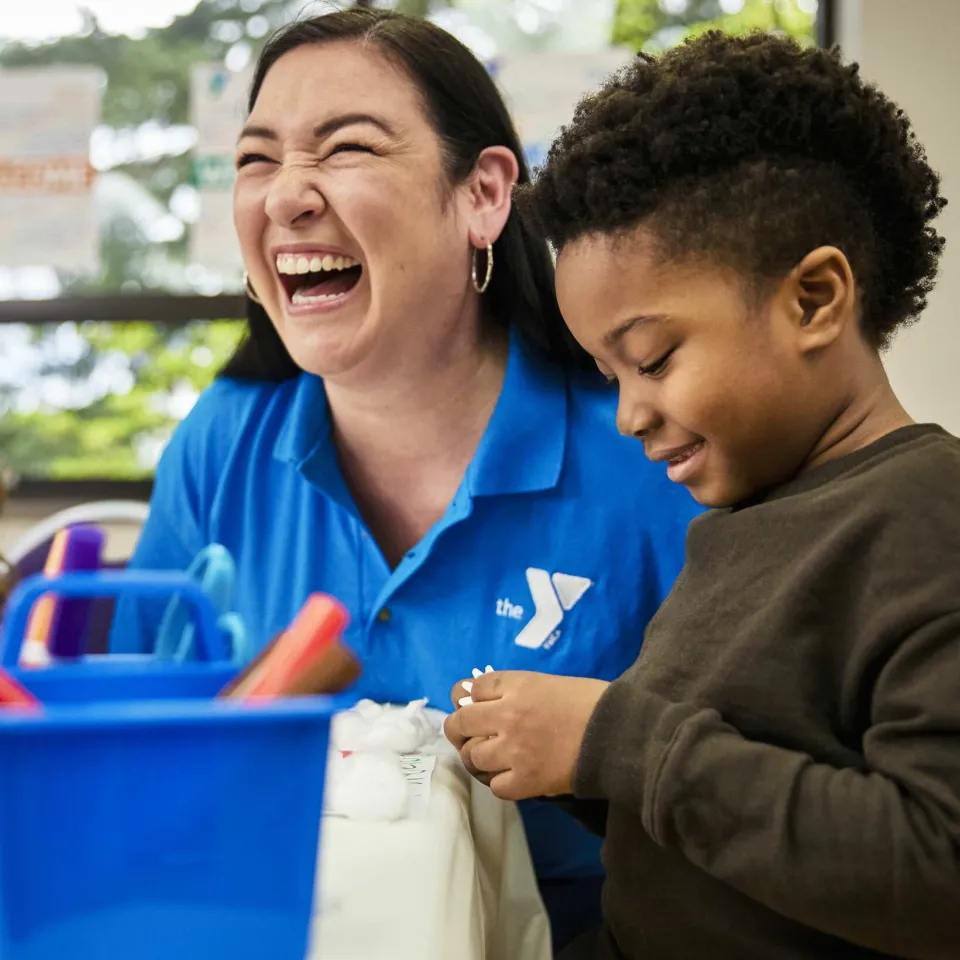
(248, 289)
(482, 287)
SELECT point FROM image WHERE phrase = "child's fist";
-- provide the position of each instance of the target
(522, 732)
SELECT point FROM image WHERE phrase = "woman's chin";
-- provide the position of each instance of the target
(323, 354)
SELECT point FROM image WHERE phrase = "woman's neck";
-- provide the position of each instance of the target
(431, 406)
(404, 444)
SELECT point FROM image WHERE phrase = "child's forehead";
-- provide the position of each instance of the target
(638, 252)
(618, 272)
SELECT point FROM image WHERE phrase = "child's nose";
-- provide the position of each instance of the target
(636, 418)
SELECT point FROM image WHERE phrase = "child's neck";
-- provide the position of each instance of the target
(869, 412)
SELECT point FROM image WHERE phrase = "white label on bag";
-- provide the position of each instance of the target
(418, 770)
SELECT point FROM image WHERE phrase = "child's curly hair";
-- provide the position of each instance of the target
(751, 151)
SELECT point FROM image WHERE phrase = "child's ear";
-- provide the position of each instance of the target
(820, 297)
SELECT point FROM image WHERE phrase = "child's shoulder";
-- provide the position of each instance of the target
(912, 497)
(922, 441)
(917, 465)
(881, 507)
(920, 475)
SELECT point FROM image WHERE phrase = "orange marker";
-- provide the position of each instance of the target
(307, 658)
(35, 651)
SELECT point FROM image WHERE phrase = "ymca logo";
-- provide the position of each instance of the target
(552, 596)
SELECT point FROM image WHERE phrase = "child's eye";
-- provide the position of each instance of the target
(245, 159)
(656, 368)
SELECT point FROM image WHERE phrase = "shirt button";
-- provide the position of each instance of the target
(384, 615)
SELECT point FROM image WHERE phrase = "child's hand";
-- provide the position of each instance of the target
(524, 730)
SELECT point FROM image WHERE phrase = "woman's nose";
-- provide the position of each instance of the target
(294, 197)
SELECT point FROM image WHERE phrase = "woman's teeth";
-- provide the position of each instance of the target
(298, 297)
(315, 278)
(293, 263)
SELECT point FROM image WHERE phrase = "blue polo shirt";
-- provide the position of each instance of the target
(557, 549)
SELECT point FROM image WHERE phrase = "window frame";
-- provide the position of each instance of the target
(826, 23)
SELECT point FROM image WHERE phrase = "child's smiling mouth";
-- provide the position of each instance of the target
(682, 462)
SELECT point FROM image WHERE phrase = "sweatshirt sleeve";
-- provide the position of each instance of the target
(869, 855)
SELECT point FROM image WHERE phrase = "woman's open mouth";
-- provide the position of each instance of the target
(316, 279)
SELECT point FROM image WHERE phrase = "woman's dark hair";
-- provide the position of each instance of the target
(751, 151)
(466, 110)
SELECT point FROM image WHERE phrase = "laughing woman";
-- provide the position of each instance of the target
(406, 423)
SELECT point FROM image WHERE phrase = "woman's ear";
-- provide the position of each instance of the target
(820, 298)
(490, 192)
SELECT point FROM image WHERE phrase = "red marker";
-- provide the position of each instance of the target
(307, 658)
(12, 694)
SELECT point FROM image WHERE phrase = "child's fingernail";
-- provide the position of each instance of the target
(489, 669)
(465, 701)
(467, 685)
(477, 672)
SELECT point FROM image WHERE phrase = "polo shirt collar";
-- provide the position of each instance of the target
(307, 423)
(306, 440)
(523, 447)
(521, 451)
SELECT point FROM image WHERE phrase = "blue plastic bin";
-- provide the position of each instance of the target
(155, 829)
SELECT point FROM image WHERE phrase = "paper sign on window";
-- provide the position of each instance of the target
(47, 215)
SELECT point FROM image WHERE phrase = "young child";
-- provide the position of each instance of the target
(742, 225)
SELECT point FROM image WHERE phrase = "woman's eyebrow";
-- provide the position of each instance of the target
(324, 129)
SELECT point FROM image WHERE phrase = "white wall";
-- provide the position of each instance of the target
(20, 516)
(910, 49)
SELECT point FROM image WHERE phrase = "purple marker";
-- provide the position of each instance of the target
(71, 618)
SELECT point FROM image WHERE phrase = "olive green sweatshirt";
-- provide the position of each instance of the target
(782, 763)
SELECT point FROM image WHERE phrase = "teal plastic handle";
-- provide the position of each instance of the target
(147, 584)
(214, 571)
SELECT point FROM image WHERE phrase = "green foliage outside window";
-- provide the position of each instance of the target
(652, 25)
(119, 434)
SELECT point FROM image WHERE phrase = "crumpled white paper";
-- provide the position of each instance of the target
(364, 779)
(374, 727)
